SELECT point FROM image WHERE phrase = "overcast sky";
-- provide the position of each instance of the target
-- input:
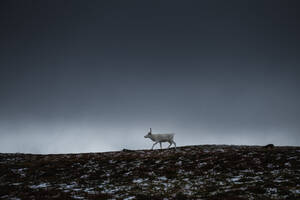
(90, 76)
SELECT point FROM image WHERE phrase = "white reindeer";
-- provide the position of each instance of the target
(159, 138)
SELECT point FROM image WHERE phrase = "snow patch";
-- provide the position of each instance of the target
(41, 185)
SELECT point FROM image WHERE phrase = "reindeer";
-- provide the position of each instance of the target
(161, 137)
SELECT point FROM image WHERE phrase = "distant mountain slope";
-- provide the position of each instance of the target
(191, 172)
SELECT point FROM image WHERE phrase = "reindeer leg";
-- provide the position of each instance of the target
(160, 145)
(154, 145)
(170, 144)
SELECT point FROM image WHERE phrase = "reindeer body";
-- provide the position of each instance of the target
(161, 137)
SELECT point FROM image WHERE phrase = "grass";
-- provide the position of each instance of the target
(191, 172)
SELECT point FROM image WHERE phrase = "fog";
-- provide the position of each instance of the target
(92, 138)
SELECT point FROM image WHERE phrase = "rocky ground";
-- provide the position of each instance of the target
(191, 172)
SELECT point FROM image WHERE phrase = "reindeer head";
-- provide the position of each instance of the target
(149, 134)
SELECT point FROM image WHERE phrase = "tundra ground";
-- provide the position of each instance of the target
(190, 172)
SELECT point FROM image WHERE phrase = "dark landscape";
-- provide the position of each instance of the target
(190, 172)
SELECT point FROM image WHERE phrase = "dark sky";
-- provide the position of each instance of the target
(79, 76)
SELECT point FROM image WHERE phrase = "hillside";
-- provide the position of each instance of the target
(191, 172)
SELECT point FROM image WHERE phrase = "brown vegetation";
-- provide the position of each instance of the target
(192, 172)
